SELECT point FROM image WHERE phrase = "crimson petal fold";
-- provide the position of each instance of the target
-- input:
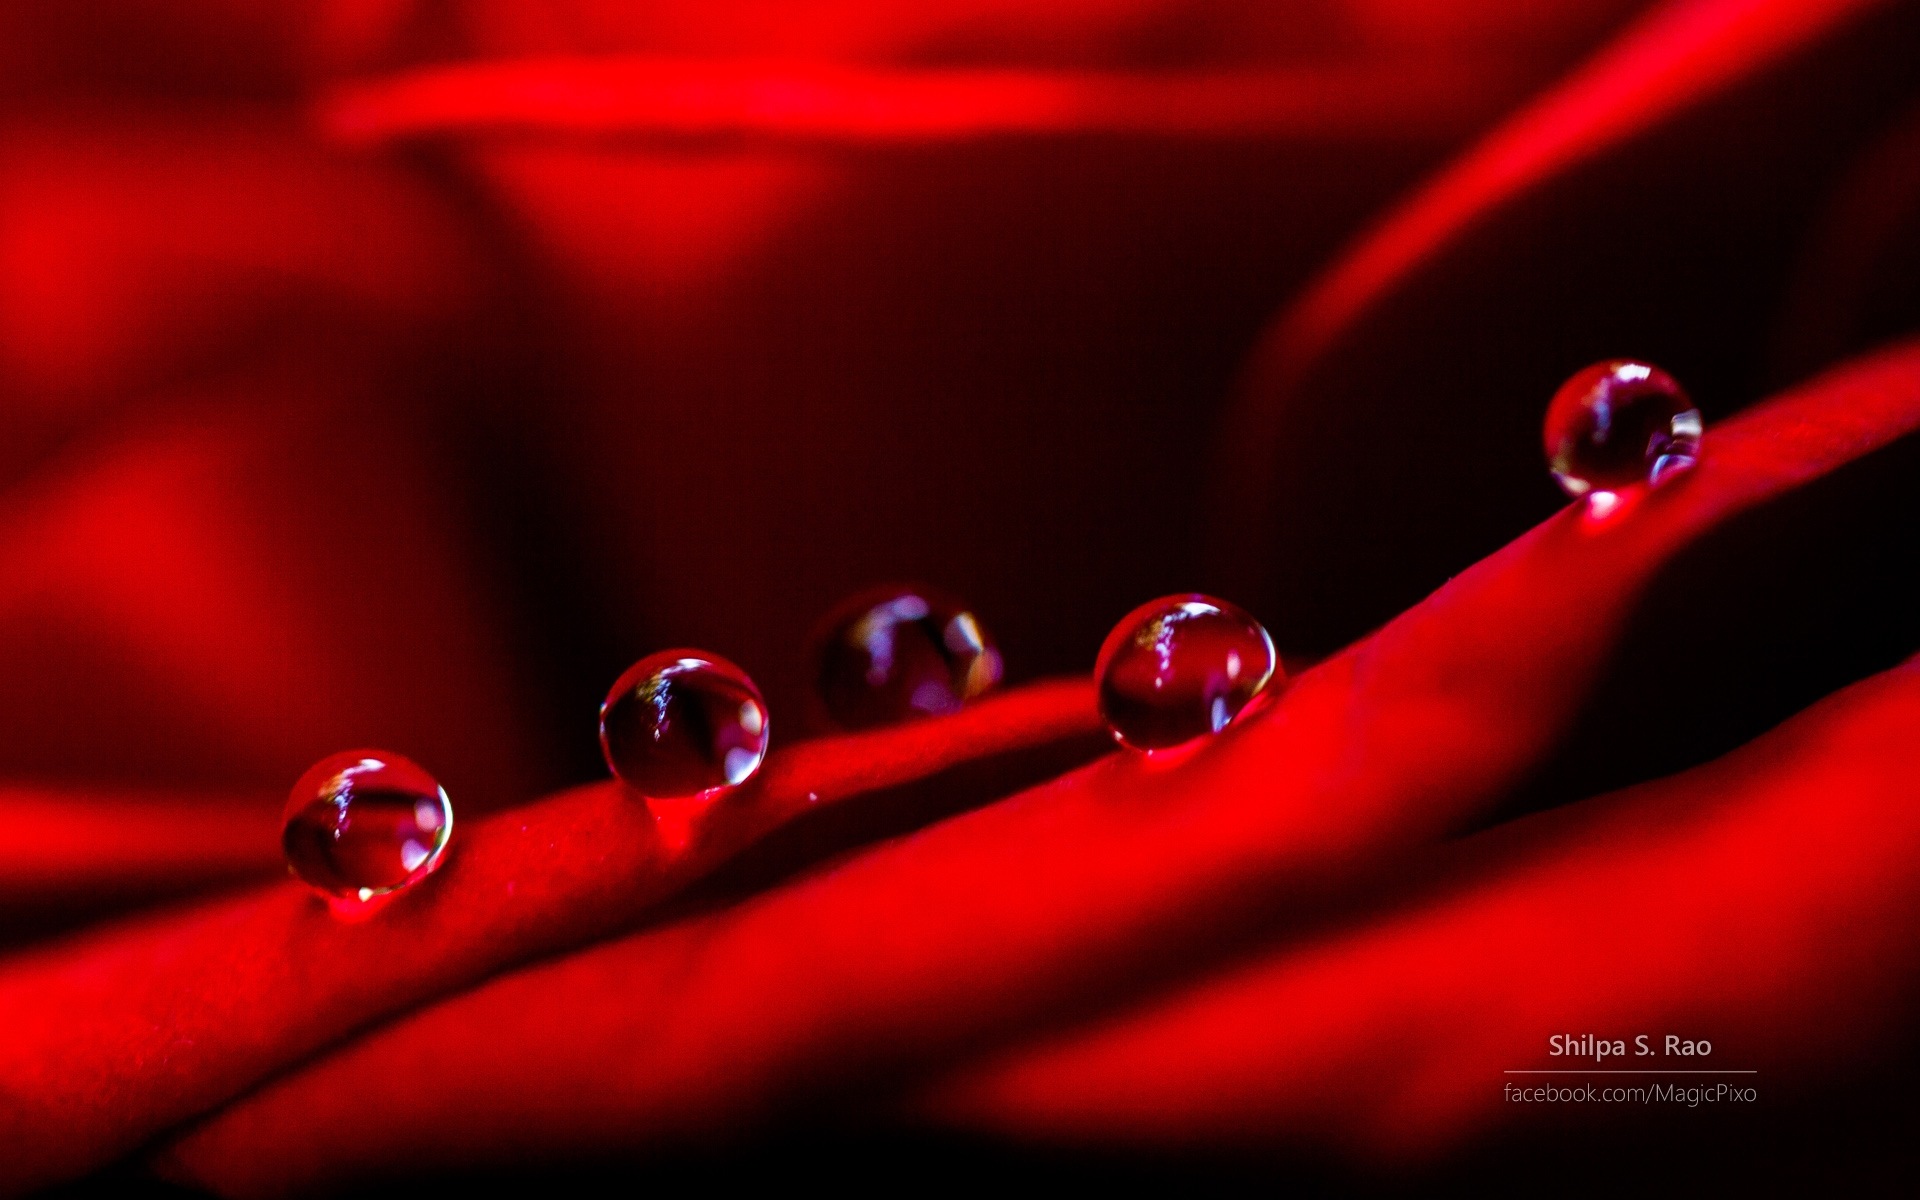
(1096, 884)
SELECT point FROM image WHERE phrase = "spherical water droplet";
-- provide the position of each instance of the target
(1619, 423)
(363, 823)
(893, 653)
(682, 723)
(1179, 668)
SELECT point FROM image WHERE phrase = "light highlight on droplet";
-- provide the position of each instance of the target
(898, 652)
(1619, 423)
(1179, 668)
(683, 723)
(365, 823)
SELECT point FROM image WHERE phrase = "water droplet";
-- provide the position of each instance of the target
(682, 723)
(897, 652)
(1179, 668)
(363, 823)
(1618, 423)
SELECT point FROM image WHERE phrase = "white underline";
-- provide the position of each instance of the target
(1569, 1071)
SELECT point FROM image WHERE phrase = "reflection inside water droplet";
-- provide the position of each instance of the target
(1180, 668)
(683, 723)
(898, 652)
(1619, 423)
(364, 823)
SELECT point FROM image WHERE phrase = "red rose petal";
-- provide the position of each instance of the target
(1673, 57)
(67, 853)
(629, 97)
(185, 597)
(139, 251)
(1768, 903)
(113, 1037)
(1020, 911)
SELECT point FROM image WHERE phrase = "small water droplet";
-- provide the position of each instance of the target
(892, 653)
(1618, 423)
(683, 723)
(364, 823)
(1179, 668)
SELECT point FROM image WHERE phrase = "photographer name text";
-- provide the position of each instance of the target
(1598, 1049)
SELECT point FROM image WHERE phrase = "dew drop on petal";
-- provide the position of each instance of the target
(898, 652)
(1618, 423)
(683, 723)
(364, 823)
(1179, 668)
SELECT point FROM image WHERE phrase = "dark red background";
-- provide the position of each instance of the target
(310, 440)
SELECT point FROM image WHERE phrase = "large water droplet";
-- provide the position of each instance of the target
(1618, 423)
(363, 823)
(683, 723)
(897, 652)
(1179, 668)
